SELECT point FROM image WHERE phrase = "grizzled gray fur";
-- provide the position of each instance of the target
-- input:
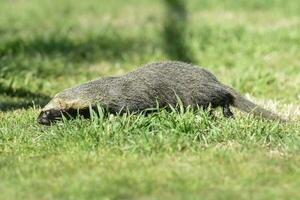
(161, 83)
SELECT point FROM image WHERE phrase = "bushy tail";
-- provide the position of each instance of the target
(247, 106)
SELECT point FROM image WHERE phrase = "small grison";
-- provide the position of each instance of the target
(158, 84)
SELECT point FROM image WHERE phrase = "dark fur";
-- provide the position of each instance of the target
(155, 84)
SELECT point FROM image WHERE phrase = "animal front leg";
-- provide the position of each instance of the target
(227, 112)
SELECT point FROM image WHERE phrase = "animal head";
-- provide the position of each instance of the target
(46, 117)
(58, 108)
(55, 110)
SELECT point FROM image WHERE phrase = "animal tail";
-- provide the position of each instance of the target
(247, 106)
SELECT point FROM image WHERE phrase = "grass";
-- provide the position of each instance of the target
(49, 45)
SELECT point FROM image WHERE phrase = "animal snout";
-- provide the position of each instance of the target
(49, 116)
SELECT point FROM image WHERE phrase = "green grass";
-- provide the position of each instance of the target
(46, 46)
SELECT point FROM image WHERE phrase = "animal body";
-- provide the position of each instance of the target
(161, 83)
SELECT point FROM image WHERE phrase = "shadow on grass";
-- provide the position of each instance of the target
(175, 31)
(11, 106)
(52, 55)
(107, 46)
(25, 98)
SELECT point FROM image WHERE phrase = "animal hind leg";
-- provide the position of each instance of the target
(227, 112)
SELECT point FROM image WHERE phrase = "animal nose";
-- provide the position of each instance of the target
(43, 121)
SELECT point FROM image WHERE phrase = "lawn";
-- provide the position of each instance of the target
(49, 45)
